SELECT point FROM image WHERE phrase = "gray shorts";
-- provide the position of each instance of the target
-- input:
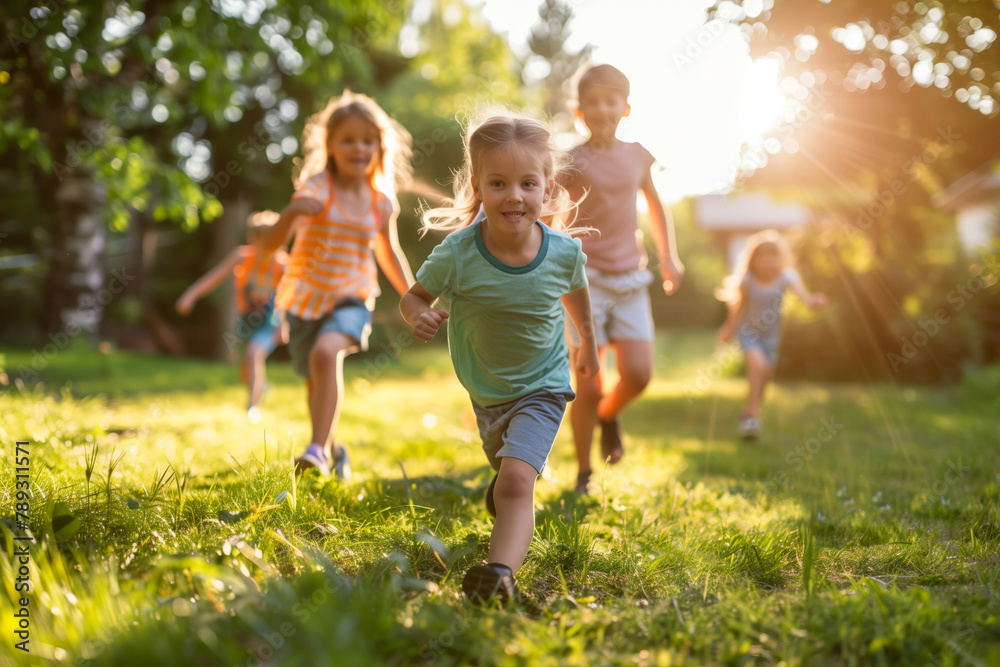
(619, 303)
(524, 428)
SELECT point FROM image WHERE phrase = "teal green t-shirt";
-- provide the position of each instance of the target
(505, 323)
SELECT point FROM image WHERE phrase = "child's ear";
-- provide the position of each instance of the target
(475, 188)
(628, 110)
(578, 113)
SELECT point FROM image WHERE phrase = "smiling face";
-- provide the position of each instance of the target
(513, 187)
(602, 109)
(355, 146)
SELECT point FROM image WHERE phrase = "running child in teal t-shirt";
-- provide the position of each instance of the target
(502, 283)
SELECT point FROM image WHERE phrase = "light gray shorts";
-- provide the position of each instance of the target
(619, 303)
(524, 428)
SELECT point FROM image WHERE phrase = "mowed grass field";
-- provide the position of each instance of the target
(862, 529)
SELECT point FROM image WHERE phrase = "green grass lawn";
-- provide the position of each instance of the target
(863, 528)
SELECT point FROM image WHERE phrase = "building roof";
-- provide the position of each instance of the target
(749, 211)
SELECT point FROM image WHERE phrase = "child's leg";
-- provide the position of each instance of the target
(514, 496)
(326, 382)
(245, 370)
(758, 373)
(583, 410)
(254, 358)
(635, 367)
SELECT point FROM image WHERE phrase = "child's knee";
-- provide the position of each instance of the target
(327, 349)
(515, 483)
(637, 376)
(322, 355)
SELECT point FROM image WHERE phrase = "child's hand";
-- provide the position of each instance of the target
(818, 300)
(725, 334)
(671, 271)
(184, 304)
(428, 323)
(587, 361)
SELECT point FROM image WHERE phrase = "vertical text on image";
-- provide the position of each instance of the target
(22, 555)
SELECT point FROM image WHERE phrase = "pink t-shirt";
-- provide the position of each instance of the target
(613, 178)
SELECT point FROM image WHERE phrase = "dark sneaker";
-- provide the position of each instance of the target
(341, 462)
(582, 480)
(310, 461)
(491, 506)
(493, 581)
(611, 440)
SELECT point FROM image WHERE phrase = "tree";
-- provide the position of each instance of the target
(548, 44)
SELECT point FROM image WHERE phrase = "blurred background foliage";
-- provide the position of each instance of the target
(898, 100)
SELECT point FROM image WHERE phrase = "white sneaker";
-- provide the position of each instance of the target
(253, 415)
(749, 428)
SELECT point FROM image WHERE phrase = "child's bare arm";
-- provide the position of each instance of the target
(661, 227)
(733, 316)
(209, 281)
(813, 300)
(278, 235)
(390, 255)
(577, 304)
(418, 312)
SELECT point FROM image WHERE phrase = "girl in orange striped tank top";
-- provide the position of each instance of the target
(260, 326)
(343, 219)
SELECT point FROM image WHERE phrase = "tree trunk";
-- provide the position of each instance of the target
(76, 291)
(227, 233)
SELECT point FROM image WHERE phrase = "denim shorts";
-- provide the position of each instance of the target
(260, 327)
(524, 428)
(350, 317)
(769, 346)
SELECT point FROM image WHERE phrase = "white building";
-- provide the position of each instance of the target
(975, 200)
(733, 218)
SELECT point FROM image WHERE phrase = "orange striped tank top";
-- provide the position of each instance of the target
(255, 280)
(333, 255)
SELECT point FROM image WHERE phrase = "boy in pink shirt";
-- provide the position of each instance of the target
(612, 173)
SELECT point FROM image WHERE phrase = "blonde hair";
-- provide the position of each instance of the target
(766, 241)
(392, 170)
(501, 129)
(259, 222)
